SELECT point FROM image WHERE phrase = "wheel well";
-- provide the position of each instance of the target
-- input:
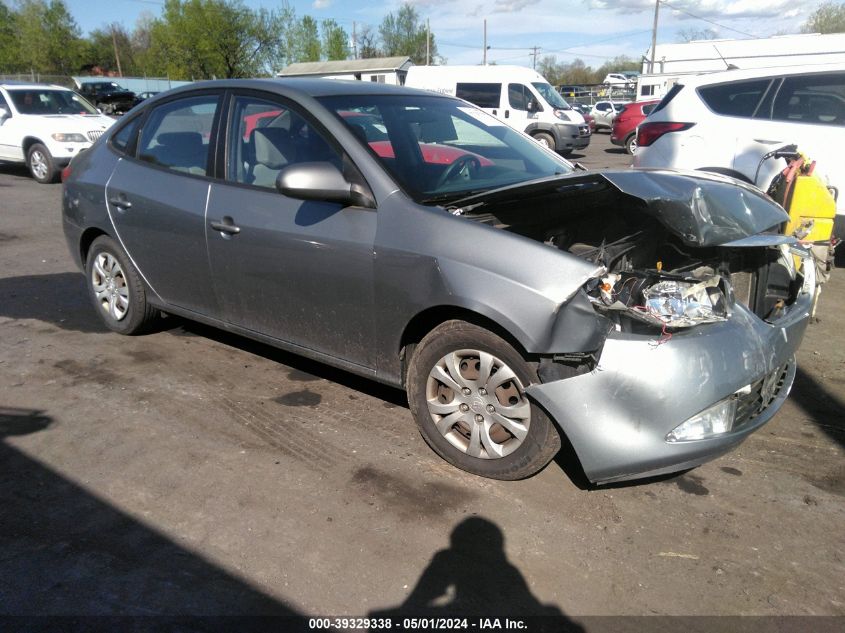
(427, 320)
(28, 142)
(86, 240)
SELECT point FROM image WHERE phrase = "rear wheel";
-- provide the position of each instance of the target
(466, 388)
(631, 143)
(116, 289)
(41, 164)
(544, 139)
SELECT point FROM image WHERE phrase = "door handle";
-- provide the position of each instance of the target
(507, 114)
(226, 225)
(120, 202)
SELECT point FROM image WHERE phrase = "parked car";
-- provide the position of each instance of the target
(518, 96)
(45, 126)
(604, 112)
(584, 110)
(624, 129)
(726, 121)
(108, 96)
(514, 298)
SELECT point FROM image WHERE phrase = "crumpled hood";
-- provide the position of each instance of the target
(702, 209)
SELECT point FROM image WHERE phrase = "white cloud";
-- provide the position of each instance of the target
(711, 9)
(511, 6)
(321, 4)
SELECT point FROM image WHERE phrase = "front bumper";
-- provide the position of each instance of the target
(570, 136)
(617, 416)
(63, 153)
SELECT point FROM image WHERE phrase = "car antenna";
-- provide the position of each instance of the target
(722, 57)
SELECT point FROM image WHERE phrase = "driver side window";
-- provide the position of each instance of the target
(265, 136)
(518, 96)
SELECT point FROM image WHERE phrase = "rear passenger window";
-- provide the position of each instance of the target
(818, 99)
(738, 98)
(482, 95)
(176, 134)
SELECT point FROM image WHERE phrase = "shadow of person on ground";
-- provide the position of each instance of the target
(474, 578)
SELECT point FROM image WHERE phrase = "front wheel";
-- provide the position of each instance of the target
(41, 164)
(466, 389)
(545, 140)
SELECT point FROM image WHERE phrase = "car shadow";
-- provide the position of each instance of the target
(615, 150)
(473, 577)
(59, 298)
(68, 552)
(303, 366)
(13, 169)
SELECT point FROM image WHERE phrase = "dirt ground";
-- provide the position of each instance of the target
(191, 472)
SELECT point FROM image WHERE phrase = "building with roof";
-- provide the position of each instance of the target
(387, 70)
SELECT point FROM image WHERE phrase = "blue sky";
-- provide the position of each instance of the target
(594, 30)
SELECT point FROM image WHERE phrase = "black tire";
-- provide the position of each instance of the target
(526, 456)
(138, 315)
(631, 143)
(545, 139)
(41, 164)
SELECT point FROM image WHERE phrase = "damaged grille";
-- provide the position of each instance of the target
(93, 135)
(763, 393)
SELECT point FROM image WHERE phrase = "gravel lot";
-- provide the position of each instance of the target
(194, 472)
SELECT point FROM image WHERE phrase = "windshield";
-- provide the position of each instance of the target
(44, 101)
(109, 87)
(551, 95)
(440, 149)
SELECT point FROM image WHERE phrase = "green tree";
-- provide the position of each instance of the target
(828, 18)
(9, 43)
(201, 39)
(335, 40)
(304, 40)
(49, 39)
(100, 49)
(405, 34)
(615, 65)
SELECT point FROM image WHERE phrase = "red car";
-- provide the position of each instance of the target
(624, 130)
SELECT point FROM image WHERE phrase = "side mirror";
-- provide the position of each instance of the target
(323, 182)
(532, 106)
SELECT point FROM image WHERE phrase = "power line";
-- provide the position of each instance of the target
(698, 17)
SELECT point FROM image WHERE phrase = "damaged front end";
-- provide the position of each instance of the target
(703, 307)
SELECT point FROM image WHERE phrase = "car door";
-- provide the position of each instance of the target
(298, 271)
(808, 110)
(519, 96)
(157, 200)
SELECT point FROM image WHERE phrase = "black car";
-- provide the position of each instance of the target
(108, 96)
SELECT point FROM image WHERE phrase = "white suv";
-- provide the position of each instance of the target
(727, 121)
(45, 127)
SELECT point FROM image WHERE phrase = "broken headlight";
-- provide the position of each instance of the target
(684, 304)
(711, 422)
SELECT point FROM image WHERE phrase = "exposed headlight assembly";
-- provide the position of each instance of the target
(69, 137)
(561, 114)
(684, 304)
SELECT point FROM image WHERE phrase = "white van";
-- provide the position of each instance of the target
(519, 96)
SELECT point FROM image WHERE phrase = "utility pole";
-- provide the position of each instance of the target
(535, 51)
(354, 42)
(654, 35)
(485, 42)
(427, 42)
(116, 55)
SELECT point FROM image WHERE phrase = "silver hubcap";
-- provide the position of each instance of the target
(543, 141)
(632, 145)
(478, 404)
(109, 285)
(38, 162)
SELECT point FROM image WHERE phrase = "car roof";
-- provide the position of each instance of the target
(296, 86)
(26, 85)
(725, 76)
